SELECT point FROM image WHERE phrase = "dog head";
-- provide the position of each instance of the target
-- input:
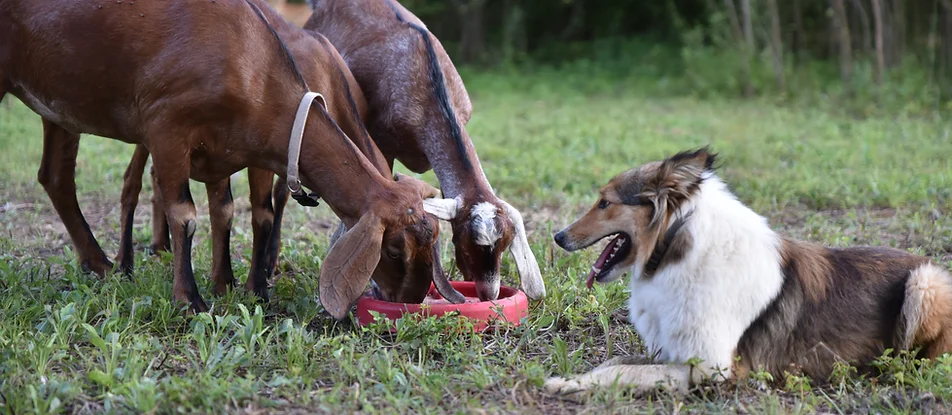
(643, 209)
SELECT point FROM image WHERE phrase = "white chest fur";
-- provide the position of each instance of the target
(700, 306)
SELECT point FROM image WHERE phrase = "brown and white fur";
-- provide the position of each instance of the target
(717, 293)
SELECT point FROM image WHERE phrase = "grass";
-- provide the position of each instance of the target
(73, 343)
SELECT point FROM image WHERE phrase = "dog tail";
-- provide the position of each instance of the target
(926, 317)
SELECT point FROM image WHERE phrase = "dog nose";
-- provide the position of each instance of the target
(560, 239)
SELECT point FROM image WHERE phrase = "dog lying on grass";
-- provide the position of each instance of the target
(719, 294)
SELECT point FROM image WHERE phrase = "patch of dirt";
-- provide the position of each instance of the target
(35, 229)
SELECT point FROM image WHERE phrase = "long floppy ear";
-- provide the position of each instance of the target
(349, 265)
(341, 228)
(445, 209)
(425, 189)
(529, 275)
(442, 283)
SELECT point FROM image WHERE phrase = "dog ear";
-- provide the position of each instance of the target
(348, 266)
(699, 160)
(678, 178)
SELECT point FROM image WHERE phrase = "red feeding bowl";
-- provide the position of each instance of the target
(511, 306)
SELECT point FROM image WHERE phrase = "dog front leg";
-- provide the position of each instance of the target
(641, 379)
(624, 361)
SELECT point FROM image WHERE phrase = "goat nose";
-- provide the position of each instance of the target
(560, 239)
(487, 291)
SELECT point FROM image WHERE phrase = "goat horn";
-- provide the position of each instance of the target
(529, 275)
(444, 209)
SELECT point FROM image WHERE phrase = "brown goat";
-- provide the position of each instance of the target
(418, 109)
(266, 214)
(210, 88)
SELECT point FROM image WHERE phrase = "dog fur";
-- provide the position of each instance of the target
(717, 294)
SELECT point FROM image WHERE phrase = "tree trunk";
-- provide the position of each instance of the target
(945, 70)
(748, 44)
(576, 21)
(880, 55)
(513, 34)
(896, 39)
(472, 46)
(843, 40)
(799, 32)
(776, 43)
(867, 29)
(740, 41)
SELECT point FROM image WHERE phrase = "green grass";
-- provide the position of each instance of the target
(72, 343)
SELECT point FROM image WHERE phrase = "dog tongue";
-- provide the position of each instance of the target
(600, 263)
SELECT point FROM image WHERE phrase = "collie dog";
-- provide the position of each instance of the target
(716, 293)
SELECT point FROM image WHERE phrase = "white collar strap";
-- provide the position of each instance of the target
(294, 145)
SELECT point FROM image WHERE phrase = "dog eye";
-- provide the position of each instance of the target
(602, 204)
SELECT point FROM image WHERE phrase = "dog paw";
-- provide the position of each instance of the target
(623, 361)
(562, 386)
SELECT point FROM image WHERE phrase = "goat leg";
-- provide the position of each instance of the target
(131, 186)
(281, 196)
(221, 210)
(160, 224)
(57, 175)
(262, 225)
(171, 173)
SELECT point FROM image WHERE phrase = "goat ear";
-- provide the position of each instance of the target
(441, 282)
(529, 275)
(341, 228)
(425, 189)
(445, 209)
(349, 265)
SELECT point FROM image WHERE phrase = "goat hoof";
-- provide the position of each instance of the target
(222, 289)
(259, 290)
(100, 267)
(126, 264)
(125, 269)
(198, 305)
(155, 249)
(195, 302)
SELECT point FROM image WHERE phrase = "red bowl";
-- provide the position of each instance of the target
(511, 306)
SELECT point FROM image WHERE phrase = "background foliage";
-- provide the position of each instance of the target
(887, 51)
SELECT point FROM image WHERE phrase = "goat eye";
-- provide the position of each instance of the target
(393, 254)
(602, 204)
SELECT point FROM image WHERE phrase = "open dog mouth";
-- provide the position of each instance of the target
(616, 251)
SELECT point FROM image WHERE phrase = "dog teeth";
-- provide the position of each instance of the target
(596, 270)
